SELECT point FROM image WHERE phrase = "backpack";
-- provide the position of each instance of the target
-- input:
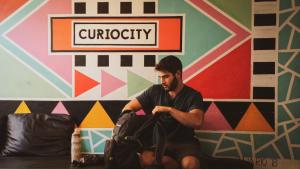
(131, 134)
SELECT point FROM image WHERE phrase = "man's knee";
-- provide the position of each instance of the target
(190, 162)
(170, 163)
(147, 158)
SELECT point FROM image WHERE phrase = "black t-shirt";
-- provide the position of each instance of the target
(186, 100)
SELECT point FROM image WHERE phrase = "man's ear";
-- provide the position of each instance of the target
(178, 74)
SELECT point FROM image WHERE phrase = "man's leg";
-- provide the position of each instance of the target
(148, 158)
(190, 162)
(170, 163)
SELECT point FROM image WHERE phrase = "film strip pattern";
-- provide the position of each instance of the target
(113, 76)
(264, 56)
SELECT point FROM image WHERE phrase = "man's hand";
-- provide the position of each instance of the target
(159, 109)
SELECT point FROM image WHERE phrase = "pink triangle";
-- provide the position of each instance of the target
(110, 83)
(60, 109)
(214, 119)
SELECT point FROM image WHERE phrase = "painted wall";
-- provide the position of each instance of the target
(243, 56)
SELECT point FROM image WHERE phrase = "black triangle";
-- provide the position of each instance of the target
(113, 108)
(78, 109)
(7, 107)
(45, 107)
(267, 109)
(233, 111)
(206, 104)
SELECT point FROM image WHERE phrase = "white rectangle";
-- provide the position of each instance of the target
(115, 34)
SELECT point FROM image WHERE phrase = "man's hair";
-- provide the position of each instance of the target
(170, 64)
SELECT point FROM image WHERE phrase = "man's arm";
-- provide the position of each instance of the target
(134, 104)
(193, 118)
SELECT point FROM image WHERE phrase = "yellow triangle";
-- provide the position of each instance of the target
(23, 109)
(97, 118)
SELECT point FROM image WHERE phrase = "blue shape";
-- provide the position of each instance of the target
(283, 16)
(84, 133)
(284, 57)
(284, 36)
(280, 129)
(95, 137)
(294, 108)
(296, 41)
(99, 149)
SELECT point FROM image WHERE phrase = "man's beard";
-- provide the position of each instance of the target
(173, 85)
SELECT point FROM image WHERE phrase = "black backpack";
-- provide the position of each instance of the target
(131, 134)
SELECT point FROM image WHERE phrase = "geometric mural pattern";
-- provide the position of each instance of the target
(284, 144)
(52, 80)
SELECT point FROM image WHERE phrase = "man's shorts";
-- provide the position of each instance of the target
(178, 151)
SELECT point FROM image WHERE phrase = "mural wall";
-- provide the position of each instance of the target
(87, 58)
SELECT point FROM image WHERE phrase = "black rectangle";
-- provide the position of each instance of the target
(264, 68)
(103, 60)
(264, 43)
(263, 93)
(264, 19)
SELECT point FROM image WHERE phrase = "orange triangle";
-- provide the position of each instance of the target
(253, 120)
(97, 118)
(83, 83)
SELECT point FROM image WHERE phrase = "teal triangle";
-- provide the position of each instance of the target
(294, 108)
(284, 57)
(268, 152)
(203, 32)
(282, 146)
(226, 144)
(96, 137)
(230, 153)
(19, 81)
(237, 9)
(283, 115)
(295, 136)
(295, 64)
(262, 139)
(280, 69)
(136, 83)
(295, 94)
(244, 137)
(246, 150)
(283, 86)
(283, 16)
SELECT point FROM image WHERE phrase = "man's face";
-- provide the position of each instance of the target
(168, 80)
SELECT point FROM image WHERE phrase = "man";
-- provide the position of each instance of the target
(181, 108)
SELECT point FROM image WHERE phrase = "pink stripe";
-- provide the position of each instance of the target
(239, 35)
